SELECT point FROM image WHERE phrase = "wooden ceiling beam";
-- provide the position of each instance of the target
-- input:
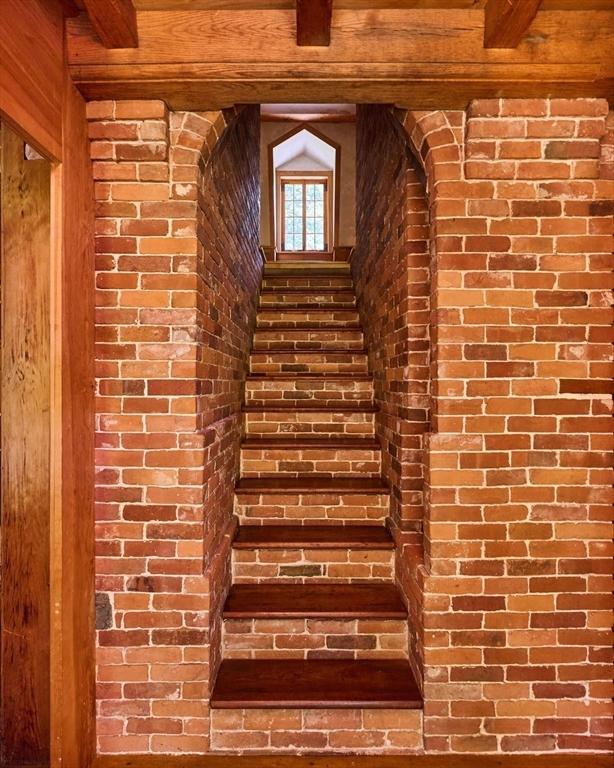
(313, 19)
(114, 22)
(207, 59)
(506, 21)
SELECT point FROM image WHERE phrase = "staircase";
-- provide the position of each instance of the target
(315, 630)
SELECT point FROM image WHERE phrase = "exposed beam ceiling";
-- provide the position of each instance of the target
(313, 18)
(423, 58)
(114, 22)
(507, 21)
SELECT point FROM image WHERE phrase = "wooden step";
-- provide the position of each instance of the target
(337, 601)
(284, 485)
(294, 308)
(309, 376)
(283, 348)
(313, 537)
(314, 407)
(315, 683)
(323, 327)
(306, 266)
(299, 443)
(275, 290)
(322, 307)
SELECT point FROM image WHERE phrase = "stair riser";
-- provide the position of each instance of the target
(312, 362)
(269, 318)
(314, 638)
(300, 566)
(309, 283)
(301, 391)
(335, 340)
(316, 424)
(299, 731)
(342, 462)
(312, 508)
(319, 298)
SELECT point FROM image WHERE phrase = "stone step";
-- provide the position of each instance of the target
(316, 683)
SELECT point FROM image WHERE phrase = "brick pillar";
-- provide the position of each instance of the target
(517, 538)
(175, 310)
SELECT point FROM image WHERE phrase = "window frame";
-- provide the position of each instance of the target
(304, 177)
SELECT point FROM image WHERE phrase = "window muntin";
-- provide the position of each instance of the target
(304, 214)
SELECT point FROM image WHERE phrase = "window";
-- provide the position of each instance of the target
(304, 213)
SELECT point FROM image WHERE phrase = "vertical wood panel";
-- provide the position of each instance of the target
(73, 692)
(24, 648)
(31, 70)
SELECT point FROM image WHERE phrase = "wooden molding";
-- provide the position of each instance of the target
(313, 19)
(114, 22)
(506, 21)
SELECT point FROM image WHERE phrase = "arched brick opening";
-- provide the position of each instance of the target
(178, 271)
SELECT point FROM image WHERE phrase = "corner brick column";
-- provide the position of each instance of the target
(167, 454)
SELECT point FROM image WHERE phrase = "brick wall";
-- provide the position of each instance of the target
(391, 272)
(518, 497)
(390, 266)
(178, 272)
(509, 582)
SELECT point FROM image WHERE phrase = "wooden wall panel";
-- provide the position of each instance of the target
(31, 71)
(26, 380)
(38, 99)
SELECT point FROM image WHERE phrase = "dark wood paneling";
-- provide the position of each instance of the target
(313, 19)
(26, 499)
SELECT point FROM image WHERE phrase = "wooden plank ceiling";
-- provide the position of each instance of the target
(207, 54)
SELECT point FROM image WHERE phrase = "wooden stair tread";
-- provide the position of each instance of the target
(277, 289)
(317, 376)
(310, 484)
(271, 267)
(313, 443)
(286, 347)
(324, 328)
(313, 537)
(279, 601)
(331, 307)
(310, 307)
(315, 683)
(273, 408)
